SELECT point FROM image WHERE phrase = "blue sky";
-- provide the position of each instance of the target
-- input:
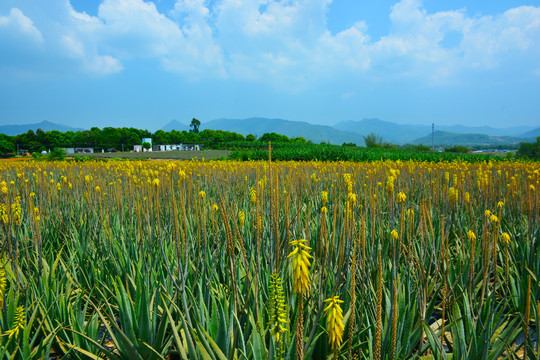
(142, 63)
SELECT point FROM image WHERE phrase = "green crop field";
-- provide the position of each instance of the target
(269, 260)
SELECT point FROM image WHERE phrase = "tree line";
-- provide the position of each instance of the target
(124, 139)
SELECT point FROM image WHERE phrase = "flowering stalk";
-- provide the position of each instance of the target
(300, 268)
(334, 322)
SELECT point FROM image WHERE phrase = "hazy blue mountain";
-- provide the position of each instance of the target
(404, 133)
(259, 126)
(448, 138)
(391, 132)
(486, 130)
(532, 134)
(175, 125)
(12, 130)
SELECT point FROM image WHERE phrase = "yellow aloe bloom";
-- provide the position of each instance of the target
(401, 197)
(493, 219)
(202, 194)
(506, 238)
(394, 234)
(18, 324)
(390, 185)
(277, 308)
(241, 218)
(324, 210)
(500, 204)
(300, 265)
(334, 321)
(453, 194)
(487, 213)
(471, 236)
(324, 197)
(252, 195)
(3, 285)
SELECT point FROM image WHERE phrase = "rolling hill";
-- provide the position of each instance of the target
(443, 138)
(175, 125)
(13, 130)
(407, 133)
(259, 126)
(532, 134)
(391, 132)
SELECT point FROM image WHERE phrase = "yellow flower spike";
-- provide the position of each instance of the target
(401, 197)
(324, 210)
(241, 218)
(471, 236)
(3, 285)
(500, 204)
(300, 266)
(487, 213)
(215, 207)
(202, 194)
(324, 197)
(334, 321)
(18, 324)
(453, 194)
(506, 238)
(493, 219)
(394, 234)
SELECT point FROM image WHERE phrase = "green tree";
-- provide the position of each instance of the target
(57, 154)
(458, 149)
(194, 126)
(146, 145)
(530, 150)
(6, 147)
(274, 137)
(250, 137)
(373, 141)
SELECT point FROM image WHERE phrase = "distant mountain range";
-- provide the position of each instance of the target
(354, 131)
(175, 125)
(411, 133)
(447, 138)
(346, 131)
(259, 126)
(12, 130)
(533, 133)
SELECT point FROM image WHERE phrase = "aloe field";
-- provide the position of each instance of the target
(269, 260)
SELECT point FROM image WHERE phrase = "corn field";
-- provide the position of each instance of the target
(269, 260)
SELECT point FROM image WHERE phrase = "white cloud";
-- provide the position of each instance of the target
(17, 23)
(283, 43)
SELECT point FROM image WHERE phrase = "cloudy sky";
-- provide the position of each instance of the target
(143, 63)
